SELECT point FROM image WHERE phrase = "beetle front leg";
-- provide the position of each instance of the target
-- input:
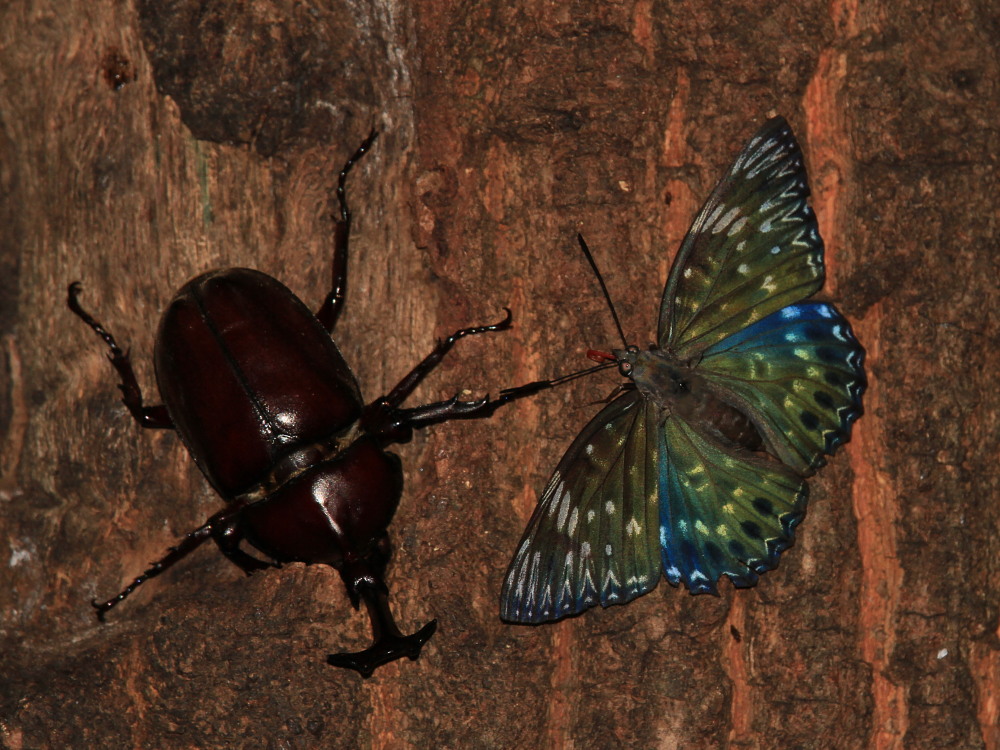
(153, 417)
(402, 421)
(405, 386)
(384, 418)
(453, 408)
(334, 301)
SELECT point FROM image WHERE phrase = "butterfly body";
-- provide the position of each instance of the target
(680, 391)
(697, 470)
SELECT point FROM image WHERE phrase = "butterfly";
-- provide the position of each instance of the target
(698, 469)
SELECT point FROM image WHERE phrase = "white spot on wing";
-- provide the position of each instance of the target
(552, 483)
(552, 493)
(713, 217)
(609, 580)
(726, 220)
(563, 510)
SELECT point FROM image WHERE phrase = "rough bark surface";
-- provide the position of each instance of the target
(143, 143)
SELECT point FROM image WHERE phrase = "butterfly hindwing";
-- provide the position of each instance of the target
(753, 248)
(723, 511)
(799, 375)
(593, 538)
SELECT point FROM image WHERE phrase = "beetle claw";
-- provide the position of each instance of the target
(386, 649)
(101, 607)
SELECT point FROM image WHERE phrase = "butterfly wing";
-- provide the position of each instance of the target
(732, 307)
(799, 375)
(637, 493)
(753, 249)
(593, 538)
(723, 511)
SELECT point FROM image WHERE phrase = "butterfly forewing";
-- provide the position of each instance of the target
(799, 374)
(722, 511)
(753, 248)
(593, 539)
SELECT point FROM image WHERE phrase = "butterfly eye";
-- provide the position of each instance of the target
(625, 368)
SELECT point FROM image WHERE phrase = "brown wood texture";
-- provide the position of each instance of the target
(507, 128)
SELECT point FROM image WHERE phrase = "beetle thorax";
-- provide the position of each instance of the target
(289, 466)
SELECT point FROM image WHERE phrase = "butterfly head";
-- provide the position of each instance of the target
(658, 375)
(626, 359)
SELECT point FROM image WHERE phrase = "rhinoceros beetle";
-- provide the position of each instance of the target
(273, 416)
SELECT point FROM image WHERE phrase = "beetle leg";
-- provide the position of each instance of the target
(405, 387)
(227, 534)
(188, 544)
(334, 301)
(389, 643)
(154, 417)
(453, 408)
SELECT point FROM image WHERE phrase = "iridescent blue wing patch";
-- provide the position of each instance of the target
(799, 375)
(753, 248)
(593, 538)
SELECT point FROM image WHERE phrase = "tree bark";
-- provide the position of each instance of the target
(144, 143)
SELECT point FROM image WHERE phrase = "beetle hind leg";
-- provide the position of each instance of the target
(389, 643)
(187, 545)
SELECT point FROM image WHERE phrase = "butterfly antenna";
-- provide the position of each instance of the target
(584, 372)
(604, 289)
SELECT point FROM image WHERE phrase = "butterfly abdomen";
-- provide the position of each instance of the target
(679, 390)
